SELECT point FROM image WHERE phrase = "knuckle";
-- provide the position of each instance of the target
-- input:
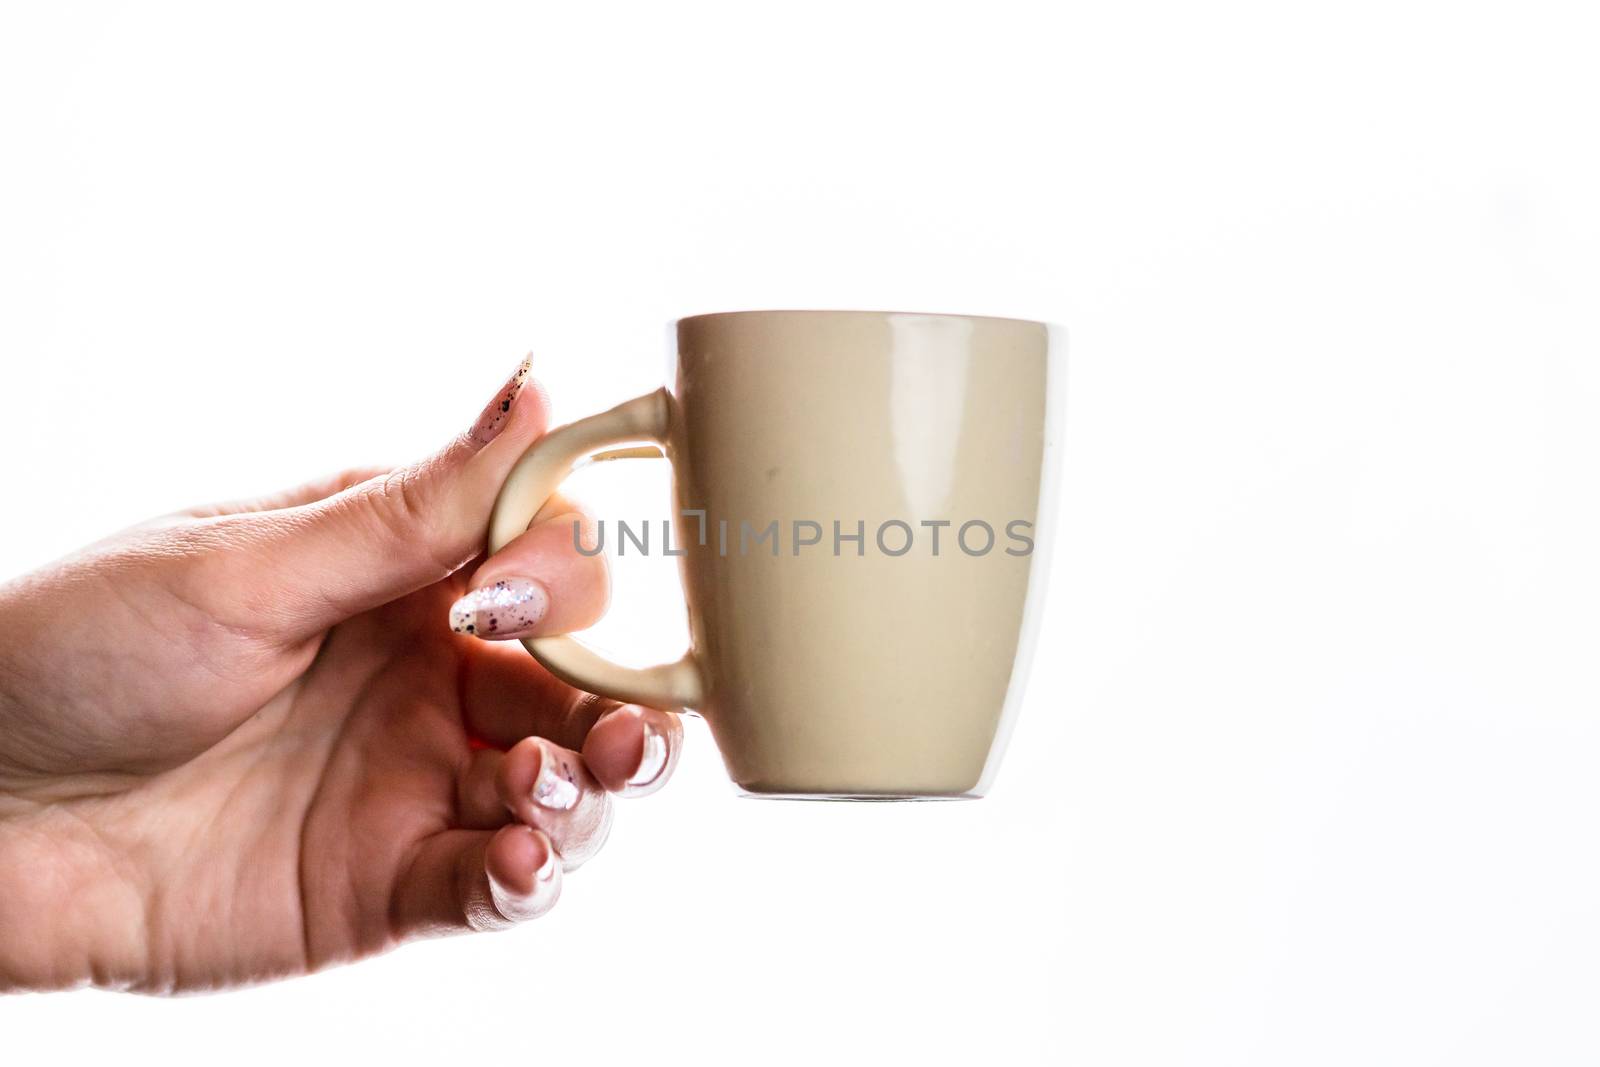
(582, 714)
(400, 502)
(402, 506)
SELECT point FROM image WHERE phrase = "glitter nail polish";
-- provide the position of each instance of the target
(510, 607)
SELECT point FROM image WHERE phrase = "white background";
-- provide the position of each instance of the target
(1307, 770)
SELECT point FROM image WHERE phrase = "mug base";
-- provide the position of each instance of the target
(756, 794)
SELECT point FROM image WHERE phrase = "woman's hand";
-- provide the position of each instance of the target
(244, 742)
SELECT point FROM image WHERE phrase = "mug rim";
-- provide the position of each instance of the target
(1052, 326)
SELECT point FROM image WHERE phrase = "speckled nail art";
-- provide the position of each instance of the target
(494, 417)
(511, 607)
(556, 786)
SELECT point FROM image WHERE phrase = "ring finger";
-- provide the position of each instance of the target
(549, 787)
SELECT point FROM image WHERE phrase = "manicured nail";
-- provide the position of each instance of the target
(519, 906)
(494, 417)
(556, 785)
(652, 756)
(547, 869)
(511, 607)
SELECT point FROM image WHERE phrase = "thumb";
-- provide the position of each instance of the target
(398, 532)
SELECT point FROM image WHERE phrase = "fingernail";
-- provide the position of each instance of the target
(511, 607)
(556, 785)
(652, 756)
(547, 869)
(494, 417)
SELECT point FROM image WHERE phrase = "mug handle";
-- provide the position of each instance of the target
(531, 483)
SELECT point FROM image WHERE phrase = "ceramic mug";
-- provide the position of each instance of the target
(863, 513)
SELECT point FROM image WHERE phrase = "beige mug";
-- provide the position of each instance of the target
(862, 517)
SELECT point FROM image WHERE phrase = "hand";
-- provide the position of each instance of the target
(244, 742)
